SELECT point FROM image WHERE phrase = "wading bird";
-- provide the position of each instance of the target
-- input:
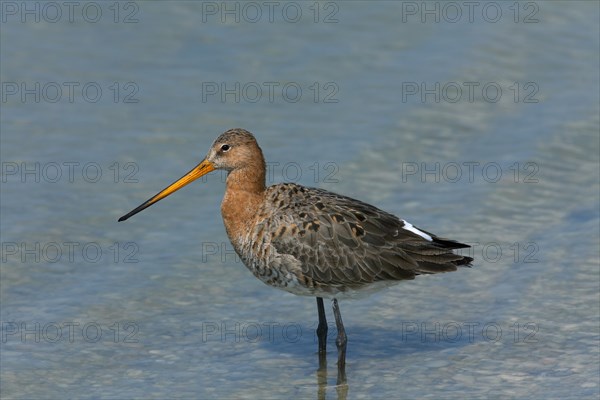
(312, 242)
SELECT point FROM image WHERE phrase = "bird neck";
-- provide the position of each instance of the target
(244, 196)
(249, 179)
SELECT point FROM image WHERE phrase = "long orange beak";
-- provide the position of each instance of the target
(199, 170)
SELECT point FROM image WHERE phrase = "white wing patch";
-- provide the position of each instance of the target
(409, 227)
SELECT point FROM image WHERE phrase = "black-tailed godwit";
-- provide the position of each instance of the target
(312, 242)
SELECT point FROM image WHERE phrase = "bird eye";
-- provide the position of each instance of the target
(225, 147)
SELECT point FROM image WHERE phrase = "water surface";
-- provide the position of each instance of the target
(166, 309)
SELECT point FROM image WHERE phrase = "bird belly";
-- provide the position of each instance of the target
(283, 272)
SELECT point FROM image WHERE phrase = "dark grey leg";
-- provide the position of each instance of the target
(340, 342)
(322, 327)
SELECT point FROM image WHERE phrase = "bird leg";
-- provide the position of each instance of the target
(322, 327)
(340, 342)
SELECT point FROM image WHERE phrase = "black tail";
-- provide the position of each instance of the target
(465, 261)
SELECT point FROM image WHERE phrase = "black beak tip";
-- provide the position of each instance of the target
(123, 218)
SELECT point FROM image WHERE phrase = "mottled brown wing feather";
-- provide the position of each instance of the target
(342, 241)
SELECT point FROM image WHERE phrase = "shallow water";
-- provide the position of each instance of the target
(159, 306)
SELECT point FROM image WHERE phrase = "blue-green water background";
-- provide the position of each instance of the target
(173, 314)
